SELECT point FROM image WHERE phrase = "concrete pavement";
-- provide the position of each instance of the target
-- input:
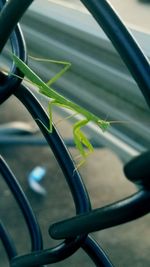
(126, 245)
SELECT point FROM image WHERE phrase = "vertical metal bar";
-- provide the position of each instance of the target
(123, 41)
(9, 17)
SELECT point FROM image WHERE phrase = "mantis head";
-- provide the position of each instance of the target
(103, 124)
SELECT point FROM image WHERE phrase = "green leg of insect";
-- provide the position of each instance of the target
(80, 138)
(50, 104)
(50, 114)
(66, 118)
(81, 141)
(82, 161)
(59, 100)
(56, 103)
(50, 128)
(49, 92)
(79, 165)
(66, 65)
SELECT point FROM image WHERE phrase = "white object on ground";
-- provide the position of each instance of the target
(34, 178)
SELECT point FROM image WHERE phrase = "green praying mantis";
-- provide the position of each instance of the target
(81, 141)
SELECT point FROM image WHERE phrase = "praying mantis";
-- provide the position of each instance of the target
(80, 139)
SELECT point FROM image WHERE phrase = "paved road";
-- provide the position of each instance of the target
(126, 245)
(134, 12)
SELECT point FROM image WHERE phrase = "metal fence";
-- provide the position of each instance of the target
(75, 231)
(98, 78)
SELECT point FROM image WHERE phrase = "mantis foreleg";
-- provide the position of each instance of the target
(80, 139)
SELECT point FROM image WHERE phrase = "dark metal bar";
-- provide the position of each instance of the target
(47, 256)
(123, 41)
(74, 229)
(58, 147)
(20, 140)
(10, 83)
(76, 186)
(96, 253)
(7, 242)
(138, 170)
(9, 16)
(73, 178)
(53, 255)
(117, 213)
(34, 230)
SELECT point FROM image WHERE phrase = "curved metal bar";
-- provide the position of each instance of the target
(57, 254)
(33, 140)
(111, 215)
(11, 13)
(138, 170)
(123, 41)
(10, 83)
(47, 256)
(79, 193)
(117, 213)
(7, 242)
(77, 187)
(77, 207)
(34, 230)
(96, 253)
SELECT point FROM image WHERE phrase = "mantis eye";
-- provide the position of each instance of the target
(103, 125)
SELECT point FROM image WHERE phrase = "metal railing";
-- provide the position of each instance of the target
(76, 230)
(98, 78)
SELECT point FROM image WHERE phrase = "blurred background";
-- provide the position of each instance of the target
(99, 81)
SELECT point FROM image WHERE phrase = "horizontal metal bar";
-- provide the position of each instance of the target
(114, 214)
